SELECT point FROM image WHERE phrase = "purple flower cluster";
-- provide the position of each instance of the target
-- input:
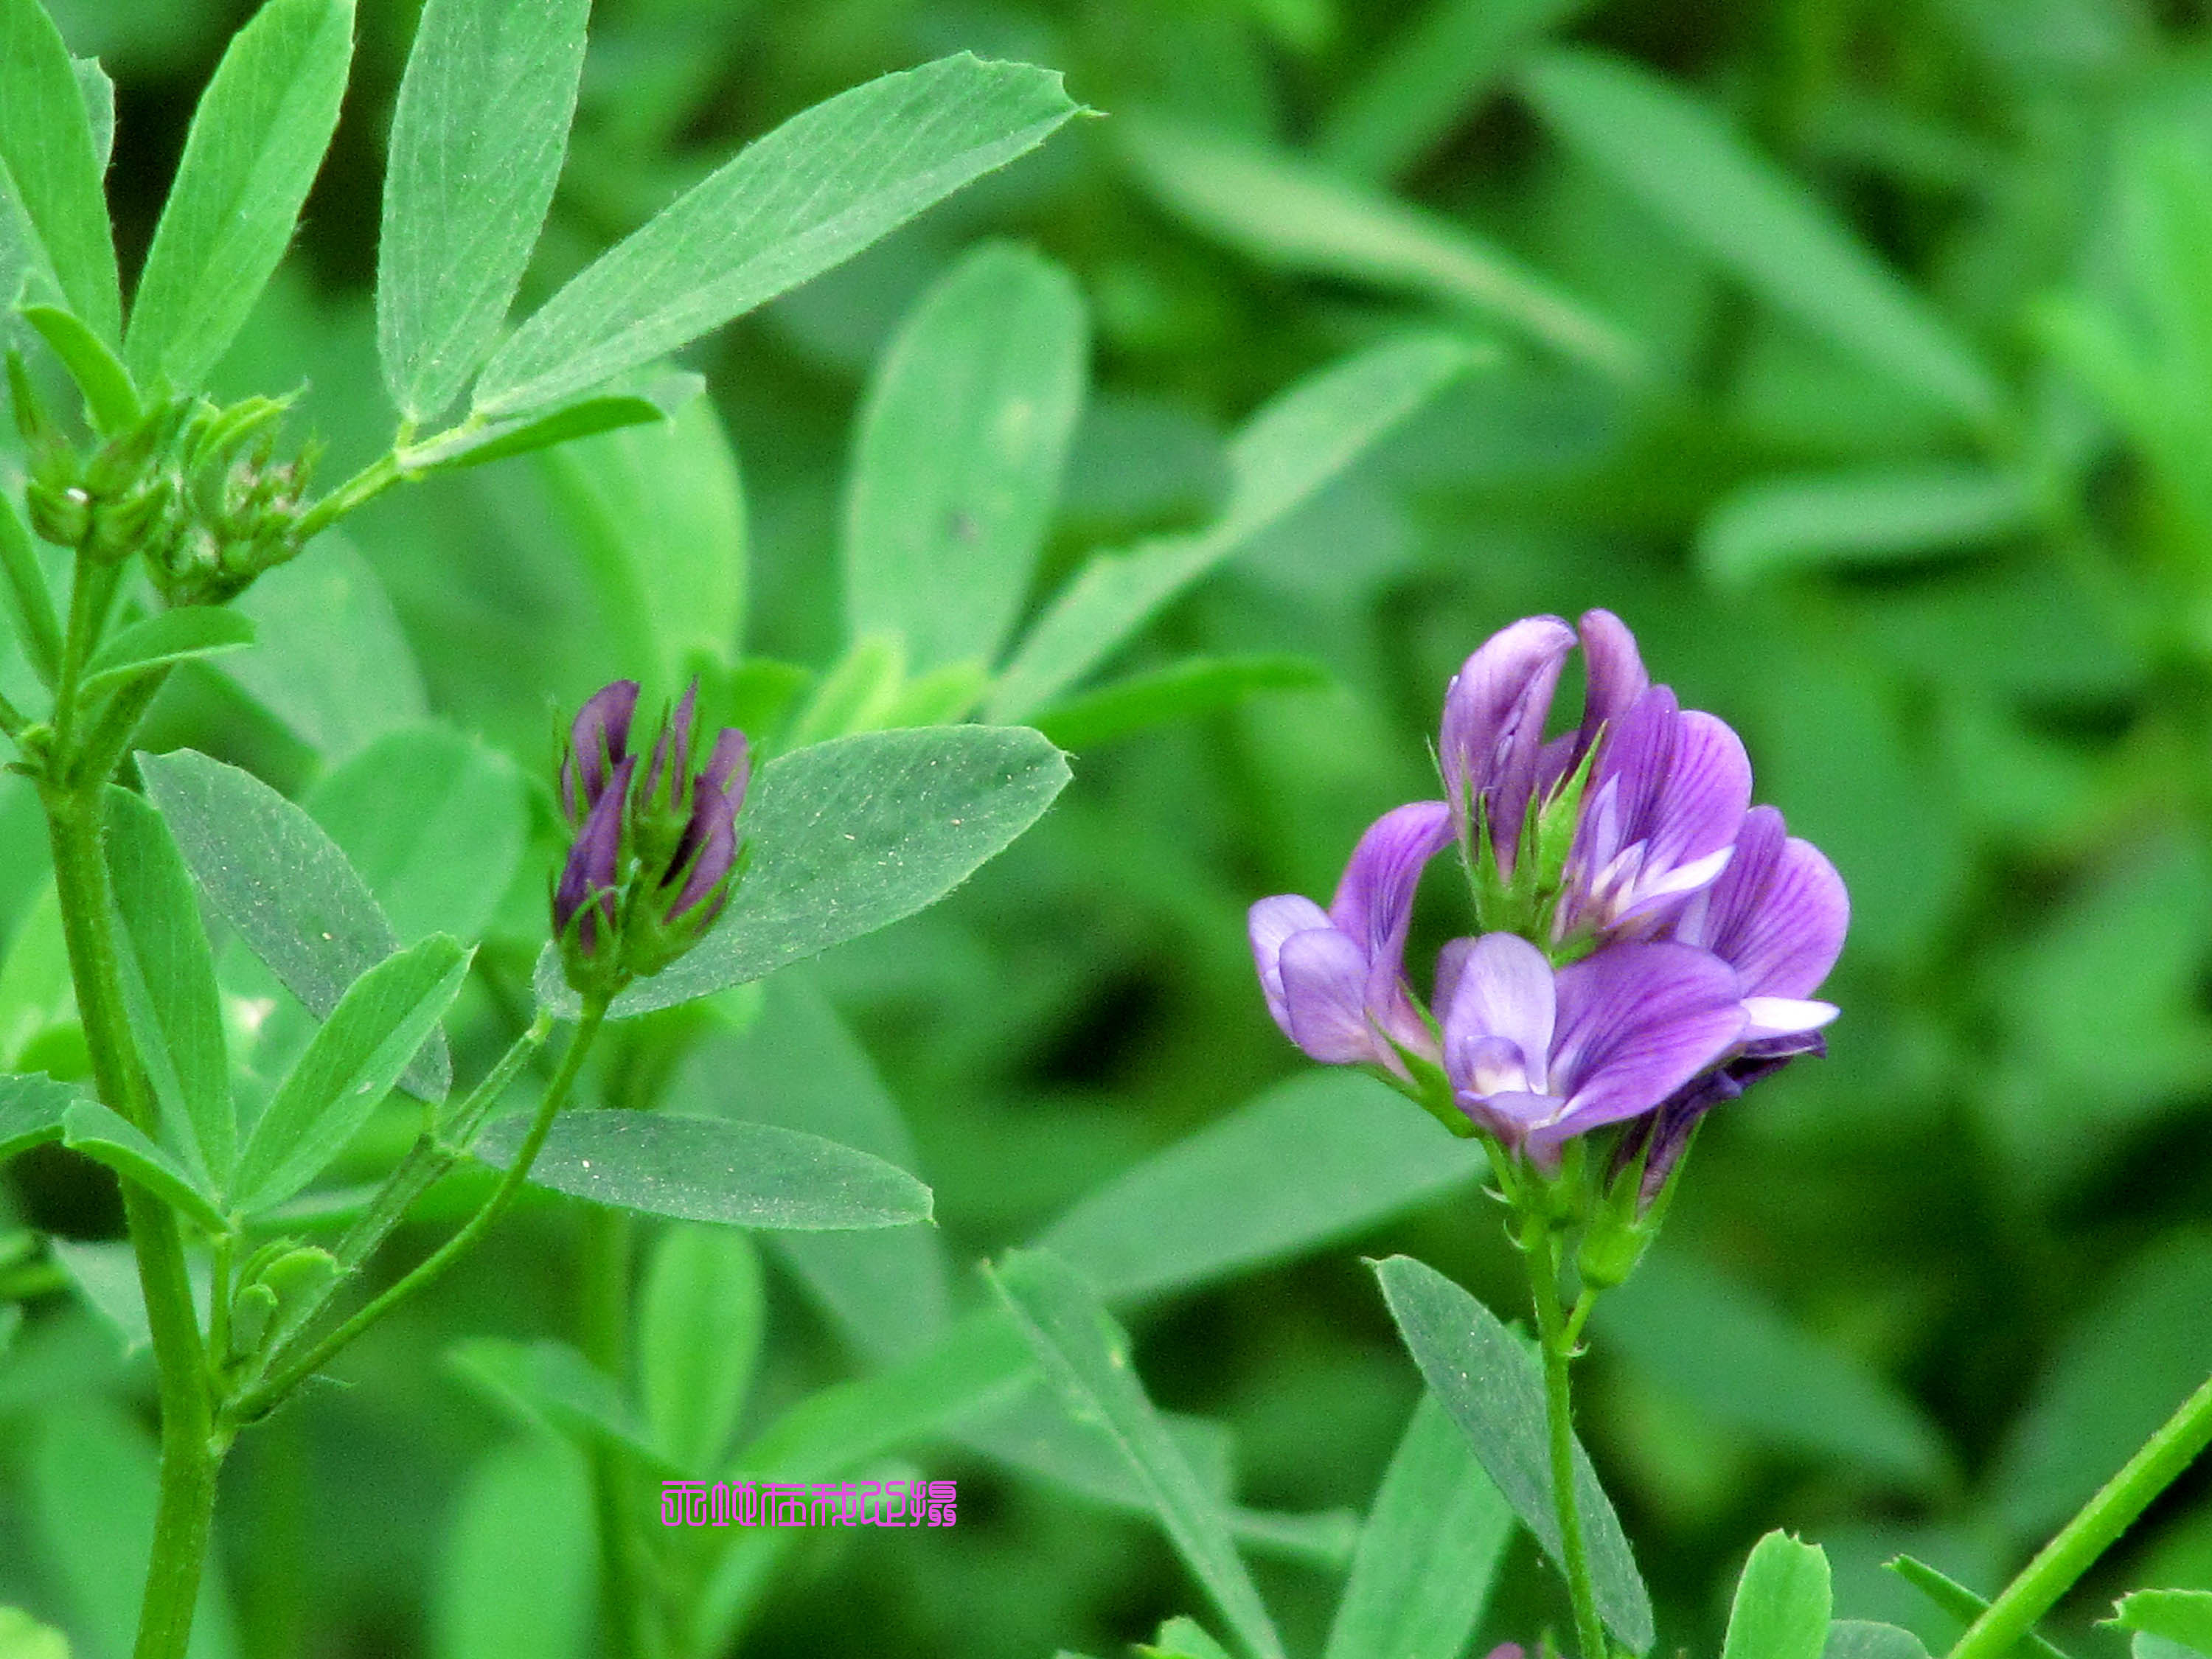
(652, 857)
(1648, 942)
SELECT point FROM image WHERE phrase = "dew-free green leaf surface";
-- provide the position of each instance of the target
(472, 445)
(1781, 1609)
(179, 1019)
(657, 514)
(1284, 455)
(703, 1169)
(1293, 216)
(53, 216)
(30, 601)
(256, 143)
(356, 1056)
(962, 439)
(1748, 215)
(1864, 1638)
(478, 136)
(1086, 1355)
(98, 92)
(167, 636)
(700, 1318)
(1307, 1162)
(433, 821)
(1197, 685)
(32, 1105)
(1492, 1385)
(1962, 1603)
(272, 873)
(514, 1575)
(2183, 1616)
(1428, 1553)
(1775, 526)
(849, 836)
(109, 397)
(1722, 1348)
(89, 1127)
(816, 191)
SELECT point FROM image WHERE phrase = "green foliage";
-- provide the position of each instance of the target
(1781, 1609)
(54, 233)
(700, 1315)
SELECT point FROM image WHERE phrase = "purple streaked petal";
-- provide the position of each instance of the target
(1451, 962)
(594, 864)
(1505, 989)
(1510, 1115)
(676, 731)
(1701, 800)
(1637, 1022)
(598, 741)
(1493, 723)
(713, 832)
(1325, 997)
(1784, 941)
(729, 768)
(1374, 901)
(1269, 922)
(1615, 672)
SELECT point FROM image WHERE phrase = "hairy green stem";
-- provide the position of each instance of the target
(184, 1514)
(2096, 1529)
(1553, 1333)
(263, 1395)
(364, 487)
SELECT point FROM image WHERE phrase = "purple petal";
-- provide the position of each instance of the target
(730, 767)
(713, 832)
(1325, 997)
(1614, 669)
(1779, 914)
(1451, 962)
(1374, 901)
(1637, 1022)
(1701, 798)
(597, 742)
(1493, 723)
(677, 730)
(1505, 990)
(595, 863)
(1269, 922)
(1510, 1115)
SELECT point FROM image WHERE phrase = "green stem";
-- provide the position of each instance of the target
(364, 487)
(264, 1395)
(625, 1570)
(2075, 1550)
(1541, 1248)
(191, 1453)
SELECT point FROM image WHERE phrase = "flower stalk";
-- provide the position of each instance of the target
(1556, 1333)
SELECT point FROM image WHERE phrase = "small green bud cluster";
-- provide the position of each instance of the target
(282, 1279)
(195, 488)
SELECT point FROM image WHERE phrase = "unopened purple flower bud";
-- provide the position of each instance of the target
(592, 875)
(597, 742)
(729, 768)
(705, 856)
(675, 734)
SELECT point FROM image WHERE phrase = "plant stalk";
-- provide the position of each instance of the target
(2075, 1549)
(625, 1573)
(1558, 1343)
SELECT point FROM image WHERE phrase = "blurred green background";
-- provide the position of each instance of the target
(1858, 354)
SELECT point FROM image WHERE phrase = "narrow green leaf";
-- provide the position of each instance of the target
(855, 694)
(799, 1067)
(1490, 1382)
(53, 217)
(436, 823)
(1086, 1355)
(31, 1106)
(256, 143)
(2148, 1644)
(961, 438)
(704, 1169)
(168, 636)
(471, 444)
(1426, 78)
(30, 601)
(99, 107)
(1725, 1351)
(700, 1318)
(1781, 1609)
(100, 375)
(89, 1127)
(850, 836)
(1962, 1603)
(273, 874)
(1183, 1638)
(2183, 1616)
(1300, 441)
(514, 1576)
(478, 136)
(550, 1384)
(1751, 217)
(1862, 1638)
(658, 513)
(1292, 216)
(1197, 685)
(37, 994)
(811, 194)
(362, 1047)
(333, 665)
(1323, 1156)
(1844, 520)
(1430, 1552)
(177, 1020)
